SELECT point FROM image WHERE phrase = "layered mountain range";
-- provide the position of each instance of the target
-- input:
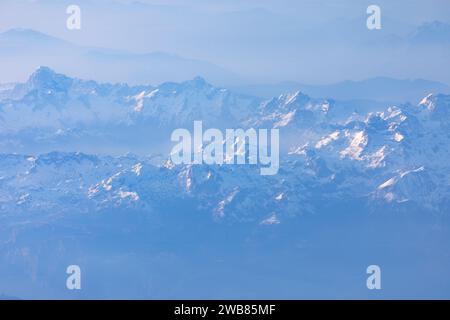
(394, 157)
(86, 179)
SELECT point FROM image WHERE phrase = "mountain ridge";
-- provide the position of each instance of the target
(379, 150)
(91, 62)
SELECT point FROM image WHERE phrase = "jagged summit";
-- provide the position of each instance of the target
(43, 72)
(45, 78)
(198, 80)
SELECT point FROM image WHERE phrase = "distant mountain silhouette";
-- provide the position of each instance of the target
(30, 49)
(382, 89)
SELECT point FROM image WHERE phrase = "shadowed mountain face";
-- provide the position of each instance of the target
(350, 179)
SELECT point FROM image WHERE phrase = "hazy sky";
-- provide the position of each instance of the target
(314, 41)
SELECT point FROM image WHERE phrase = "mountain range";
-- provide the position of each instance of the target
(375, 91)
(82, 180)
(34, 48)
(385, 154)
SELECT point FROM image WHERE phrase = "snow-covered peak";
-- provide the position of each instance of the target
(437, 107)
